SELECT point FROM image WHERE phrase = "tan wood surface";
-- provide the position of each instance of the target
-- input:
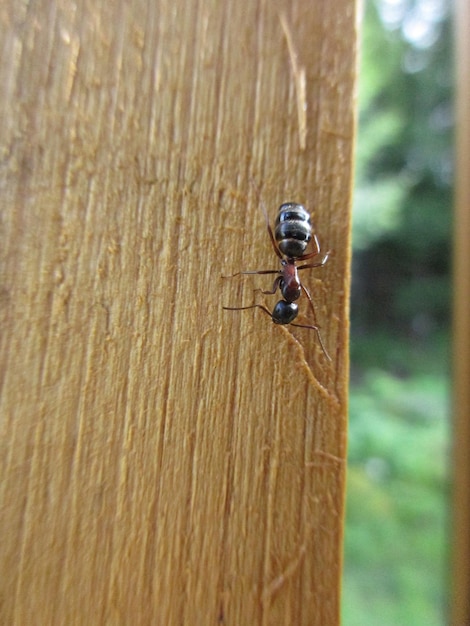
(164, 461)
(460, 607)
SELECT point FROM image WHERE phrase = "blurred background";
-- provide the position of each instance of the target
(397, 529)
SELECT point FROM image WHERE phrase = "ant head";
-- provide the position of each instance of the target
(284, 312)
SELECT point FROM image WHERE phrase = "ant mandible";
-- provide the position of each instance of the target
(292, 234)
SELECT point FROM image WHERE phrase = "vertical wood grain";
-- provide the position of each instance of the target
(164, 461)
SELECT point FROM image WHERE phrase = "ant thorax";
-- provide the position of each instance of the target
(290, 282)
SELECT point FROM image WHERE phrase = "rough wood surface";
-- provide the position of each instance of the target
(460, 606)
(164, 461)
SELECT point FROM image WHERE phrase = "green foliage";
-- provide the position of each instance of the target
(402, 213)
(387, 350)
(396, 521)
(396, 540)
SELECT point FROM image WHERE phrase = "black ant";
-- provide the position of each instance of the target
(292, 234)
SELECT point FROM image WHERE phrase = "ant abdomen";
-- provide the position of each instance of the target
(293, 229)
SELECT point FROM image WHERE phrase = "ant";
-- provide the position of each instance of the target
(292, 234)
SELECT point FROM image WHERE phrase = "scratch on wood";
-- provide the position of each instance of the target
(329, 458)
(300, 83)
(337, 134)
(273, 587)
(303, 361)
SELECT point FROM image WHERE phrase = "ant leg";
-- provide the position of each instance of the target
(315, 326)
(275, 287)
(320, 341)
(244, 308)
(252, 272)
(315, 252)
(270, 231)
(309, 297)
(319, 264)
(268, 226)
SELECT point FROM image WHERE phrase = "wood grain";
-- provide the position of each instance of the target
(164, 461)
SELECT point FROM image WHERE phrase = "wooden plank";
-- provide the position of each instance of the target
(460, 607)
(165, 461)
